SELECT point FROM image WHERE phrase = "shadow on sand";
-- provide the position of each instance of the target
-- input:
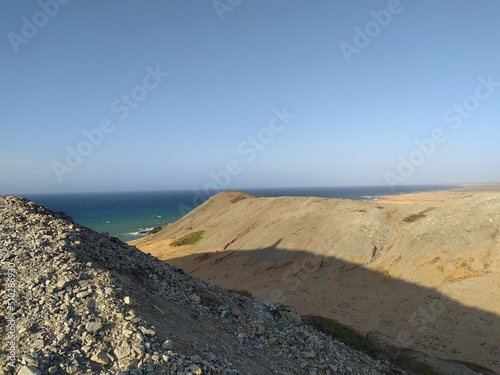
(393, 311)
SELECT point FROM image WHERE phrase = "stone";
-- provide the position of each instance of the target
(101, 357)
(52, 370)
(195, 298)
(128, 300)
(196, 359)
(139, 349)
(37, 344)
(291, 317)
(93, 327)
(168, 345)
(82, 294)
(29, 370)
(61, 336)
(85, 349)
(260, 330)
(308, 354)
(195, 369)
(122, 351)
(147, 332)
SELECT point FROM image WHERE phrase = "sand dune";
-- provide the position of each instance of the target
(421, 271)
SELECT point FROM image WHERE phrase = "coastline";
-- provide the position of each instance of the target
(127, 215)
(494, 186)
(438, 195)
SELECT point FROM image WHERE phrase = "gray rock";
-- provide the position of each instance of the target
(122, 351)
(37, 344)
(101, 357)
(29, 370)
(93, 327)
(83, 294)
(291, 317)
(196, 359)
(195, 298)
(195, 369)
(128, 300)
(308, 354)
(260, 330)
(168, 345)
(147, 332)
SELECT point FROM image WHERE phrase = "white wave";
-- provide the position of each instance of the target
(142, 231)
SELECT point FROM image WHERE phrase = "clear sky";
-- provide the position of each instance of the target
(158, 95)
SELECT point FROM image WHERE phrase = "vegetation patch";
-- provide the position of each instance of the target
(368, 345)
(417, 367)
(189, 239)
(344, 333)
(238, 198)
(415, 217)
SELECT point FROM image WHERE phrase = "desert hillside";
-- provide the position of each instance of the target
(420, 271)
(77, 302)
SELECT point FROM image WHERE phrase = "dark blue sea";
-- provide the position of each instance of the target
(126, 214)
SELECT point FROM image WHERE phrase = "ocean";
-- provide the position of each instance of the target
(126, 214)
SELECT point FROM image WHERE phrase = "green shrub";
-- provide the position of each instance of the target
(344, 333)
(189, 239)
(411, 363)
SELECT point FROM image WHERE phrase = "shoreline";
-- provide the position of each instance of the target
(494, 186)
(438, 195)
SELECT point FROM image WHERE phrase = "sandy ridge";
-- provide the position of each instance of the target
(420, 269)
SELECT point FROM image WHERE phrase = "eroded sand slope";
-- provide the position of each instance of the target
(420, 271)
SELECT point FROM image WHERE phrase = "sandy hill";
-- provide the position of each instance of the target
(418, 271)
(77, 302)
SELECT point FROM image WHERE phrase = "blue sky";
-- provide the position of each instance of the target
(356, 84)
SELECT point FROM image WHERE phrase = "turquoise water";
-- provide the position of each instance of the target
(125, 214)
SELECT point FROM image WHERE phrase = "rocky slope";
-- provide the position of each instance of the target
(419, 271)
(77, 302)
